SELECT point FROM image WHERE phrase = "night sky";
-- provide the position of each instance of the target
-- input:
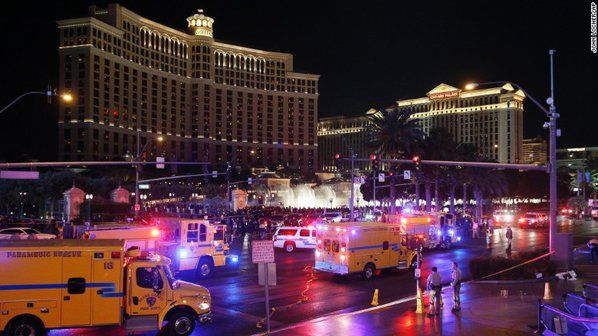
(369, 54)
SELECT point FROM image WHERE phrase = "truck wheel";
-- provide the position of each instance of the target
(180, 324)
(368, 271)
(289, 247)
(204, 267)
(25, 326)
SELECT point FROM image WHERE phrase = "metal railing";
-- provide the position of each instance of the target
(590, 291)
(553, 321)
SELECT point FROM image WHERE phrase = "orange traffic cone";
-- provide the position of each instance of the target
(375, 298)
(547, 293)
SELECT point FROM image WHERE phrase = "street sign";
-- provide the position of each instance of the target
(249, 180)
(19, 175)
(406, 174)
(214, 173)
(262, 251)
(418, 272)
(381, 177)
(160, 162)
(261, 274)
(144, 186)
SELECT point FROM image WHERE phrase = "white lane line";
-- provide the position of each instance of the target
(333, 315)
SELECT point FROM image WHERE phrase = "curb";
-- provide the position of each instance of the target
(512, 282)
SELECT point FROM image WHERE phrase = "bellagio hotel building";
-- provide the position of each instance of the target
(209, 101)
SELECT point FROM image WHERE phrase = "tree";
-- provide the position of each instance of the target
(394, 135)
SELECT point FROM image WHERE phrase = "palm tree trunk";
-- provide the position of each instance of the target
(437, 205)
(428, 188)
(452, 198)
(417, 194)
(464, 198)
(393, 198)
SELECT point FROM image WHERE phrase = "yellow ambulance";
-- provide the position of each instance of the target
(49, 284)
(194, 245)
(142, 236)
(345, 248)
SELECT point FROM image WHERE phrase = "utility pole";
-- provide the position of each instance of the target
(374, 190)
(552, 117)
(228, 198)
(137, 167)
(352, 198)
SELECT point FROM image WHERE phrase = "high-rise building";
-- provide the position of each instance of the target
(490, 118)
(534, 151)
(209, 100)
(338, 135)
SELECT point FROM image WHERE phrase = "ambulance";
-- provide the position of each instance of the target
(194, 245)
(142, 236)
(362, 247)
(74, 283)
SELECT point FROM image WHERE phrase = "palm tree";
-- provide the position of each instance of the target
(394, 135)
(438, 145)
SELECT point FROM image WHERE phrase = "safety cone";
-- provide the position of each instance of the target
(419, 304)
(547, 293)
(375, 298)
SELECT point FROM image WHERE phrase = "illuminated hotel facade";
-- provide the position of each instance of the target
(490, 118)
(210, 101)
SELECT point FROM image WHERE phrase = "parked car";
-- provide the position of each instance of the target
(532, 220)
(24, 233)
(290, 238)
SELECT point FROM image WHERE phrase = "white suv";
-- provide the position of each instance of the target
(293, 237)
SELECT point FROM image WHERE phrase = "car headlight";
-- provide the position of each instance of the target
(451, 232)
(204, 306)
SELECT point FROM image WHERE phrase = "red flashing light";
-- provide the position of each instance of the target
(415, 158)
(372, 157)
(337, 156)
(115, 255)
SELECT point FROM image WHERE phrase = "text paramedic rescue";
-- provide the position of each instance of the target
(43, 254)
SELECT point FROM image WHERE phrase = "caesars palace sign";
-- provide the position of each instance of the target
(446, 94)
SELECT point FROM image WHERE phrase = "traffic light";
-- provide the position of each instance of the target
(338, 162)
(375, 162)
(416, 161)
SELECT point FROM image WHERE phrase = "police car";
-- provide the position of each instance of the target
(290, 238)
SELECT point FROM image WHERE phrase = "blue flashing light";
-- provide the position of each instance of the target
(183, 253)
(451, 232)
(438, 233)
(234, 259)
(458, 238)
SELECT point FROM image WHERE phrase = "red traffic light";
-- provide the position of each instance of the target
(337, 156)
(415, 158)
(373, 157)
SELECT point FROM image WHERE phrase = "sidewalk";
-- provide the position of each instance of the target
(487, 309)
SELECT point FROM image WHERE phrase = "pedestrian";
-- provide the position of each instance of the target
(434, 286)
(488, 238)
(456, 283)
(490, 224)
(475, 229)
(593, 245)
(509, 235)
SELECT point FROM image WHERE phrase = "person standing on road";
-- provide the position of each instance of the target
(434, 286)
(488, 238)
(456, 283)
(509, 235)
(593, 245)
(474, 229)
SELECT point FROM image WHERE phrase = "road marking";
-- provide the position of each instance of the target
(337, 315)
(235, 313)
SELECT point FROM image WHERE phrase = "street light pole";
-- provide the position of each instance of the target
(352, 199)
(553, 134)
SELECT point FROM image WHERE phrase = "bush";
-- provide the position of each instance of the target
(484, 266)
